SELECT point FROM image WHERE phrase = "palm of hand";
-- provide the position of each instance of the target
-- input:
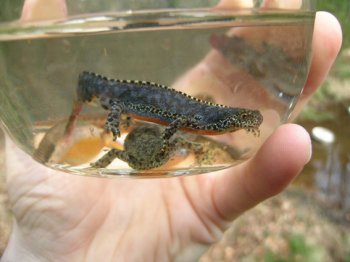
(67, 214)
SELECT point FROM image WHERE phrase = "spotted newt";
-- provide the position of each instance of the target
(160, 104)
(145, 149)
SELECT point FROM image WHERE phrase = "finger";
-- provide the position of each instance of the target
(327, 41)
(295, 4)
(35, 10)
(275, 165)
(235, 4)
(283, 4)
(326, 44)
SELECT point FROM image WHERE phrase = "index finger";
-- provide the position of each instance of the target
(36, 10)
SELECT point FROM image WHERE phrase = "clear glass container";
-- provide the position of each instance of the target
(150, 88)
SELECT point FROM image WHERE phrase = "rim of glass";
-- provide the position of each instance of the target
(12, 10)
(95, 23)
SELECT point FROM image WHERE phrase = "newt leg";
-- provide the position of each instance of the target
(109, 157)
(171, 129)
(198, 149)
(77, 107)
(113, 118)
(169, 132)
(127, 122)
(194, 146)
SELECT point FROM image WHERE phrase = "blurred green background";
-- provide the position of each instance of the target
(341, 8)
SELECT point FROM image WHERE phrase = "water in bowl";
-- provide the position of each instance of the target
(254, 60)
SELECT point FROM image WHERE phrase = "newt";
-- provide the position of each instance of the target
(145, 148)
(156, 103)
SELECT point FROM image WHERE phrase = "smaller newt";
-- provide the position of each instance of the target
(160, 104)
(145, 148)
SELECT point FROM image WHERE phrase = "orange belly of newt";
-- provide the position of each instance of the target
(187, 129)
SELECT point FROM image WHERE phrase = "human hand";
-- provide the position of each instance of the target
(61, 217)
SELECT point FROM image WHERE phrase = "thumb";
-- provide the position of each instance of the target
(275, 165)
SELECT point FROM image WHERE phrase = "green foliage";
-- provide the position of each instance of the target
(10, 10)
(299, 250)
(347, 244)
(272, 257)
(347, 258)
(341, 9)
(341, 68)
(316, 109)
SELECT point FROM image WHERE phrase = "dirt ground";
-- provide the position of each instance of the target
(287, 228)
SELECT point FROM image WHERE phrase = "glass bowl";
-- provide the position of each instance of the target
(150, 88)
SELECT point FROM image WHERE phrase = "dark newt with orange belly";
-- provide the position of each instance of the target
(160, 104)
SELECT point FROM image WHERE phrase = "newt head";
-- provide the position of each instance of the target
(246, 119)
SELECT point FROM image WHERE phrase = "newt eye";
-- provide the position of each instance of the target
(244, 115)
